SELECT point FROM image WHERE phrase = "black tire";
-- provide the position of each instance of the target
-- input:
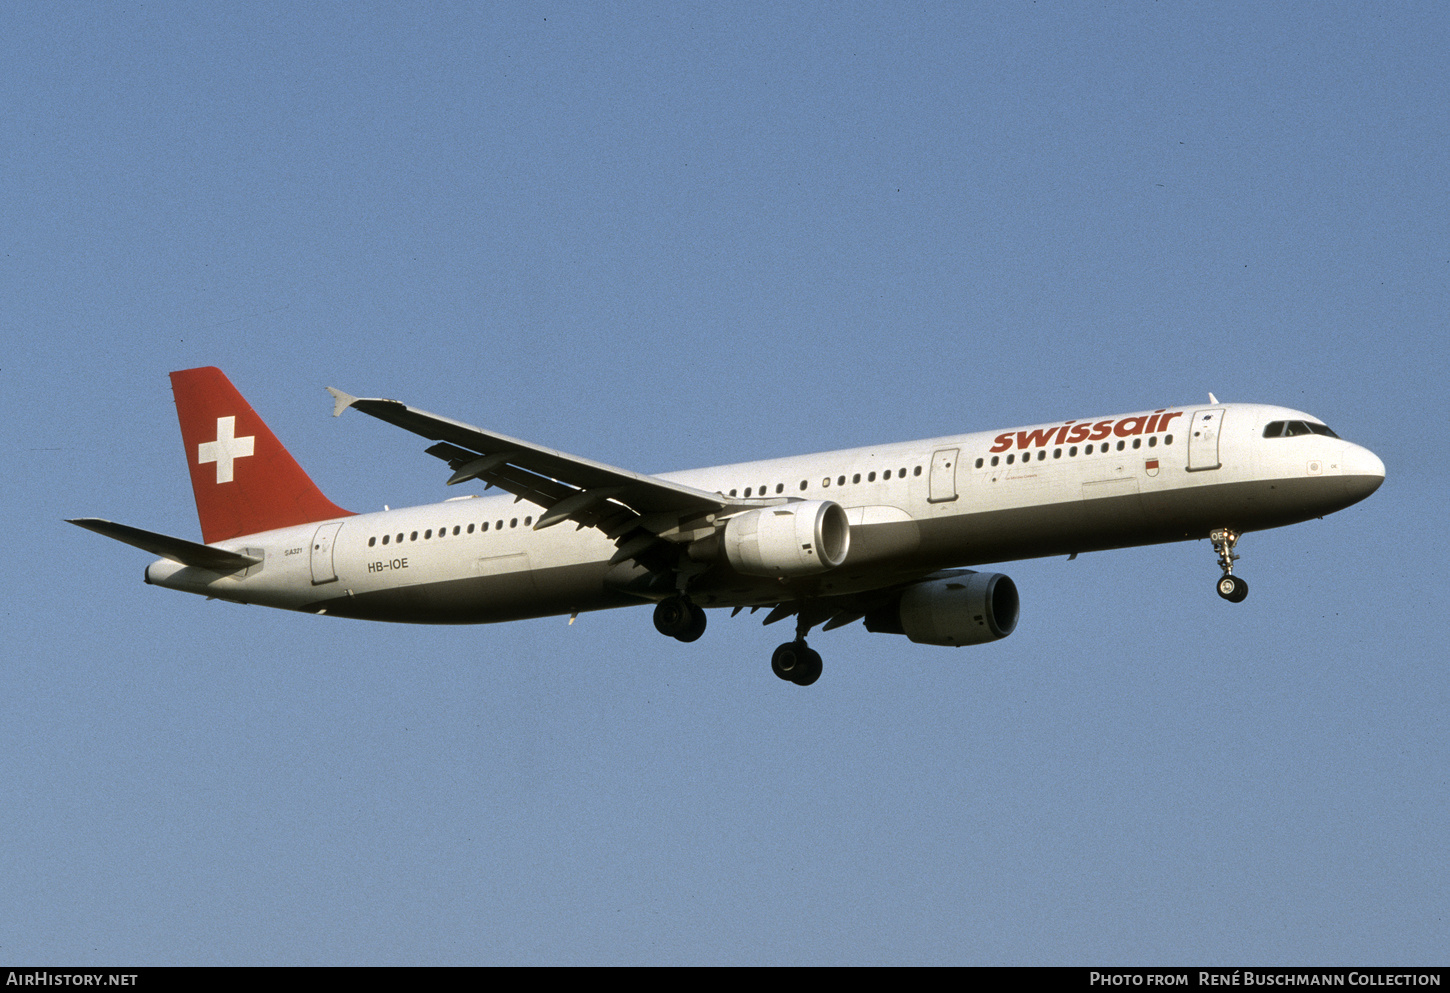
(1233, 589)
(787, 659)
(795, 663)
(696, 625)
(673, 617)
(809, 670)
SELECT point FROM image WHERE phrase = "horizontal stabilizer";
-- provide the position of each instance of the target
(176, 549)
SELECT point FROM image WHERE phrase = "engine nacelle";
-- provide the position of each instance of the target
(794, 539)
(961, 610)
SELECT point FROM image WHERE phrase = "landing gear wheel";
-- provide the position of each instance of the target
(696, 626)
(786, 659)
(1230, 587)
(796, 663)
(810, 670)
(678, 618)
(1233, 589)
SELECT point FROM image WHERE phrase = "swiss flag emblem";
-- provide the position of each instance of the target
(226, 449)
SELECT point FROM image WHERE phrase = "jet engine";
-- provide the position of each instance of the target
(794, 539)
(969, 609)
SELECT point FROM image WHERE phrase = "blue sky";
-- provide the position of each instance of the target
(673, 235)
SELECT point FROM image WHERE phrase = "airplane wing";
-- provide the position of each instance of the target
(635, 510)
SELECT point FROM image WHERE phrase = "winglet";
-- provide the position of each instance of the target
(340, 401)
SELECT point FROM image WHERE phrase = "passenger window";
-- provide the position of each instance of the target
(413, 536)
(994, 459)
(372, 541)
(1137, 442)
(1010, 458)
(385, 539)
(780, 487)
(1153, 441)
(803, 484)
(916, 471)
(840, 480)
(1057, 453)
(979, 463)
(1120, 446)
(470, 529)
(1072, 452)
(886, 474)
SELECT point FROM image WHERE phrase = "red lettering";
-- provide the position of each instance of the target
(1129, 425)
(1075, 432)
(1040, 437)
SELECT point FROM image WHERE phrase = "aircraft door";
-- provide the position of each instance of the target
(323, 570)
(943, 482)
(1203, 440)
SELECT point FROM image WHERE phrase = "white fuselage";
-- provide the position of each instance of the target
(914, 507)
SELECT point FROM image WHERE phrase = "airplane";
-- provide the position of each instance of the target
(884, 535)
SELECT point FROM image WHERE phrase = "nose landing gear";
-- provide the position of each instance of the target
(1232, 588)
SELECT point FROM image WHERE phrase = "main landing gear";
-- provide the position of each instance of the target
(795, 661)
(1232, 588)
(678, 618)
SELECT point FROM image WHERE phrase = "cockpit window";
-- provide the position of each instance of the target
(1293, 429)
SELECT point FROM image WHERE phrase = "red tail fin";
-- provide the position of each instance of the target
(243, 479)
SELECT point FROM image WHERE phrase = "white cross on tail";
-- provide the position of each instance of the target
(225, 449)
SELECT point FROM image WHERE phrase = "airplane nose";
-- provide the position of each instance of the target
(1363, 472)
